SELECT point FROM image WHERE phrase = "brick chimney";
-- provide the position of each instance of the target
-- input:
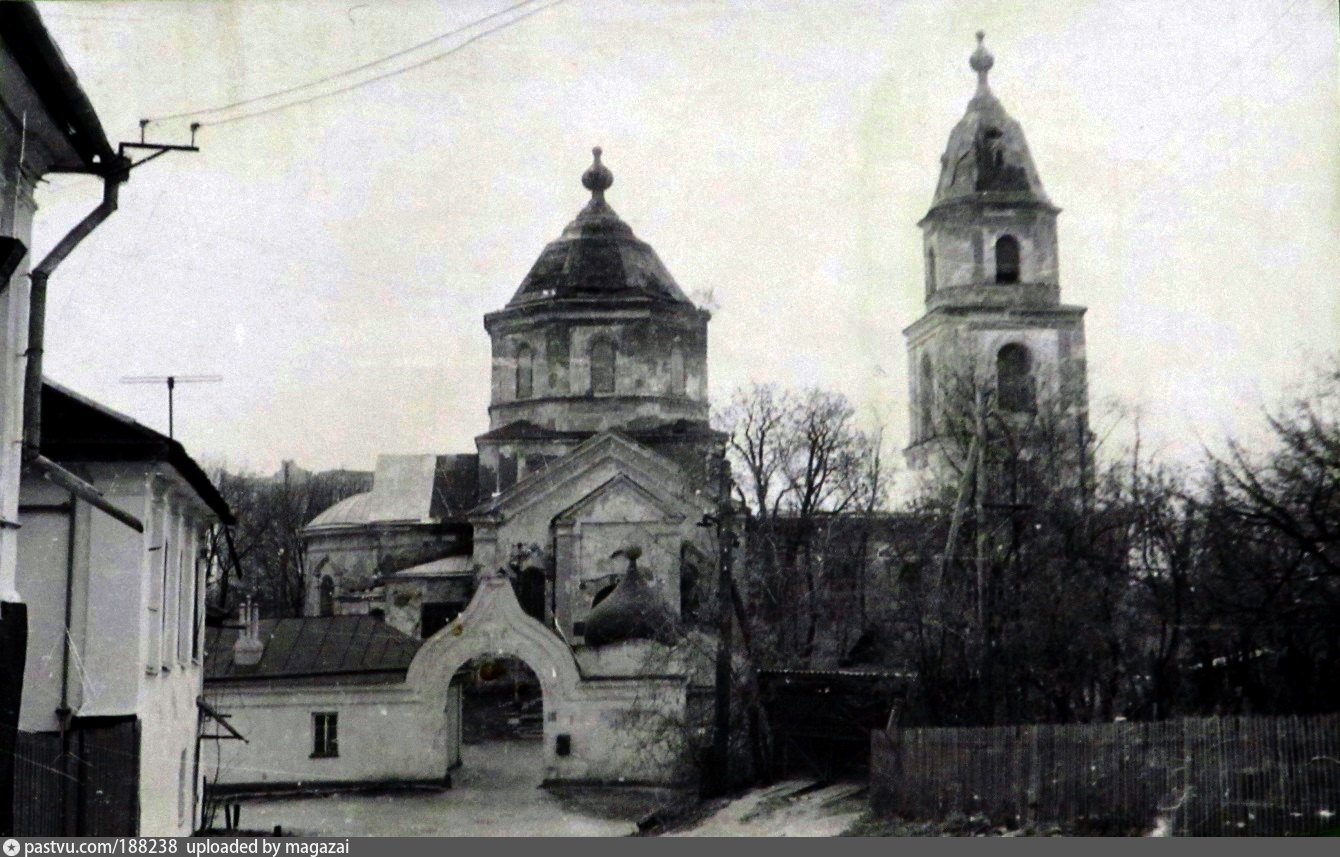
(248, 649)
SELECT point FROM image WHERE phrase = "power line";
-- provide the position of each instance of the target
(377, 78)
(339, 74)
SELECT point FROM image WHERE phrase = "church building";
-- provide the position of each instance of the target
(573, 541)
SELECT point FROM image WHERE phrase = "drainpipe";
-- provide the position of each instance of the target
(37, 307)
(32, 388)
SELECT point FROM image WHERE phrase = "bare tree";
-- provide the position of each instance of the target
(802, 464)
(267, 547)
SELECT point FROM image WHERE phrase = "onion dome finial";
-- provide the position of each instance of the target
(981, 61)
(597, 177)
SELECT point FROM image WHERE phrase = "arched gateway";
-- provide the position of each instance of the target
(612, 724)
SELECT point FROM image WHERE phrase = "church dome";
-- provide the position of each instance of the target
(598, 256)
(633, 611)
(351, 511)
(987, 159)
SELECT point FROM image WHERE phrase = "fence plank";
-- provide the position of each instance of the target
(1233, 776)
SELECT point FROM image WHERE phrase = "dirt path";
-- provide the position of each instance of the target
(791, 808)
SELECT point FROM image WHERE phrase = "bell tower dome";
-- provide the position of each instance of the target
(994, 323)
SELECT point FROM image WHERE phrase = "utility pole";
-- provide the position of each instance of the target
(723, 521)
(172, 381)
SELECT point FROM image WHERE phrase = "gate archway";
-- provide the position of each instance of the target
(494, 625)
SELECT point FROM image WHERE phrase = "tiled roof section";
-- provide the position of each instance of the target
(304, 647)
(598, 256)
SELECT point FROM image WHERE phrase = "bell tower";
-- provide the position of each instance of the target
(995, 345)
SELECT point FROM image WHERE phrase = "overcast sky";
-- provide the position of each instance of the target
(333, 261)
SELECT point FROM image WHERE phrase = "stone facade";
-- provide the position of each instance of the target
(995, 341)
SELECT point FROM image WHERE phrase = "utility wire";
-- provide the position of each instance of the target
(228, 120)
(339, 74)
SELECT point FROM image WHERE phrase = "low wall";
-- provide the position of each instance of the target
(1248, 776)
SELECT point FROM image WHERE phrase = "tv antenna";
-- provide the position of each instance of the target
(172, 381)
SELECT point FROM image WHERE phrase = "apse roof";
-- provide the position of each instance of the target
(598, 256)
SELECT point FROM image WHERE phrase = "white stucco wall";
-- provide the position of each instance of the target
(123, 660)
(386, 733)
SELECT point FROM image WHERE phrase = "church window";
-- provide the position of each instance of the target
(325, 735)
(930, 273)
(525, 372)
(1007, 259)
(926, 397)
(530, 592)
(677, 376)
(602, 366)
(1014, 379)
(436, 615)
(327, 596)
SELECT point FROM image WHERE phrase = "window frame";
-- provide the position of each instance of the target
(325, 735)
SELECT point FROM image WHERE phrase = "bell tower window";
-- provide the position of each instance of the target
(525, 372)
(930, 273)
(926, 398)
(602, 366)
(1007, 259)
(1014, 379)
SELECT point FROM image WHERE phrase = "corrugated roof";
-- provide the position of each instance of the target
(307, 646)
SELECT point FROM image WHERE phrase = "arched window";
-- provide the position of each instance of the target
(1014, 379)
(930, 272)
(602, 366)
(926, 396)
(531, 592)
(1007, 259)
(677, 376)
(525, 372)
(327, 596)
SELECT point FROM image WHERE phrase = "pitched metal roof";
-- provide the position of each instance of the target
(310, 646)
(598, 255)
(76, 428)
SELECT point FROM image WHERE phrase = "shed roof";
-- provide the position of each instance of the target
(313, 646)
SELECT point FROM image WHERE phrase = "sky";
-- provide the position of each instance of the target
(332, 261)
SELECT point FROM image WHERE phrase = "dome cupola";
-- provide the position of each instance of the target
(987, 159)
(598, 255)
(633, 611)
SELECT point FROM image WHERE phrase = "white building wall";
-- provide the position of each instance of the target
(386, 733)
(116, 667)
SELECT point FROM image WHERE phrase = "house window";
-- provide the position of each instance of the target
(602, 366)
(1007, 259)
(1014, 379)
(525, 372)
(181, 789)
(325, 736)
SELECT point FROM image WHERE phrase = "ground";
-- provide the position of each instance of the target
(791, 808)
(495, 793)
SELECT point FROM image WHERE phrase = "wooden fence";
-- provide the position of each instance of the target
(1249, 776)
(86, 786)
